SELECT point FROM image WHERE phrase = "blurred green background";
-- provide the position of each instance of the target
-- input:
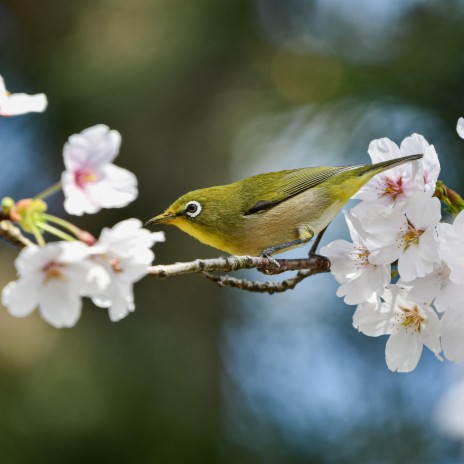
(205, 92)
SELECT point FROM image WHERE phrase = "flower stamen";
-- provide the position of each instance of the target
(411, 318)
(84, 176)
(392, 188)
(52, 270)
(411, 236)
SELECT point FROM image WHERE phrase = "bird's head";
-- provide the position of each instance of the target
(197, 209)
(206, 214)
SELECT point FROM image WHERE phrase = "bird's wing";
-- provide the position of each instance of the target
(274, 188)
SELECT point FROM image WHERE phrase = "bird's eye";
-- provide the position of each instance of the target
(193, 208)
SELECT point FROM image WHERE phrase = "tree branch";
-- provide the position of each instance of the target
(307, 267)
(13, 234)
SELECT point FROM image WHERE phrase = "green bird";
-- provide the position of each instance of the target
(273, 212)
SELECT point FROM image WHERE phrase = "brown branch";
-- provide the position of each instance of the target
(262, 287)
(13, 234)
(307, 267)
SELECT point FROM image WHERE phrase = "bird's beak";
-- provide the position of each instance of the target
(164, 218)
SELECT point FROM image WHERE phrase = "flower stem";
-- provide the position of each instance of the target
(49, 191)
(38, 235)
(63, 223)
(53, 230)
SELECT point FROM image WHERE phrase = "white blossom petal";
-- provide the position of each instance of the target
(460, 127)
(452, 339)
(20, 103)
(116, 188)
(125, 252)
(21, 297)
(403, 351)
(370, 319)
(59, 306)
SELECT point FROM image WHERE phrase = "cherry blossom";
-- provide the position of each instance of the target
(20, 103)
(124, 251)
(54, 278)
(409, 237)
(351, 266)
(397, 184)
(394, 185)
(90, 181)
(410, 324)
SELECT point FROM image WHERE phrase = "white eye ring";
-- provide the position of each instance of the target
(193, 209)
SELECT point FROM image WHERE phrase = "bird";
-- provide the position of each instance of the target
(270, 213)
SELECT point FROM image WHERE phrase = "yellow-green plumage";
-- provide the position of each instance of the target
(267, 210)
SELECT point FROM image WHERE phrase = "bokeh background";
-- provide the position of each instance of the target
(205, 92)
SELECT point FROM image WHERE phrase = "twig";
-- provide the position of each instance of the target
(307, 267)
(261, 287)
(13, 234)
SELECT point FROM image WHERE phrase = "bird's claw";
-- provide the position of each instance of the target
(272, 261)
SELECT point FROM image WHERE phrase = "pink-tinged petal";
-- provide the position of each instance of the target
(21, 103)
(103, 143)
(21, 297)
(77, 201)
(403, 351)
(452, 339)
(76, 153)
(92, 149)
(116, 188)
(460, 127)
(60, 306)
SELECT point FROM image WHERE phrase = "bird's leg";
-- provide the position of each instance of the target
(312, 251)
(306, 234)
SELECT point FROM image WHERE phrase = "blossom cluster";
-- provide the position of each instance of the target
(55, 276)
(404, 269)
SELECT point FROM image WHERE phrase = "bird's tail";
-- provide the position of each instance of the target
(373, 169)
(351, 180)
